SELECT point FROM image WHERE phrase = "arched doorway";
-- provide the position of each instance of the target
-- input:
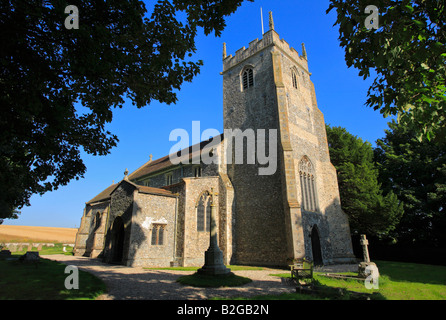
(316, 247)
(117, 240)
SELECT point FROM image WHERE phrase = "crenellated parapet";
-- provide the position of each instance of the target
(269, 39)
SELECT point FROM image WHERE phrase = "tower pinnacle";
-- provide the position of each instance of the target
(271, 21)
(304, 51)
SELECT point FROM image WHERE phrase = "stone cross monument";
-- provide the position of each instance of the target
(213, 257)
(365, 251)
(366, 266)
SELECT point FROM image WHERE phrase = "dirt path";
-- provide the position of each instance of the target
(125, 283)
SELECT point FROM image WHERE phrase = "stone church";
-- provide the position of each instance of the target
(159, 214)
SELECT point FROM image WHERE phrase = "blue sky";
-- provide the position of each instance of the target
(341, 95)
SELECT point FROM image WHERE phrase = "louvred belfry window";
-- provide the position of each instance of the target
(294, 78)
(248, 78)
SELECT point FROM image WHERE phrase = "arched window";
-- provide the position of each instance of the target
(208, 215)
(200, 214)
(294, 77)
(161, 235)
(204, 213)
(97, 221)
(307, 185)
(248, 78)
(154, 234)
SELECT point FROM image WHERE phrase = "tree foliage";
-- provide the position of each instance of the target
(416, 172)
(362, 199)
(408, 54)
(118, 52)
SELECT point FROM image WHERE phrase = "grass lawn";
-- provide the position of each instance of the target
(22, 281)
(398, 281)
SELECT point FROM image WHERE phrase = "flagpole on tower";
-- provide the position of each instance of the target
(261, 18)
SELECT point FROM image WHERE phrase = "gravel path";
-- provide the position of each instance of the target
(135, 283)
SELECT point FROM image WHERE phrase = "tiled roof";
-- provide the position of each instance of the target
(164, 162)
(151, 167)
(150, 190)
(104, 195)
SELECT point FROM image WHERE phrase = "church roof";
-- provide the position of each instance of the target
(104, 195)
(165, 163)
(150, 190)
(152, 167)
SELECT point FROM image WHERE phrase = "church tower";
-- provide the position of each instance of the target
(294, 211)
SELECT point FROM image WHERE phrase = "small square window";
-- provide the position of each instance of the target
(158, 234)
(197, 171)
(169, 179)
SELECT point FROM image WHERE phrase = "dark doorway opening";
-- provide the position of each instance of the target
(118, 240)
(316, 247)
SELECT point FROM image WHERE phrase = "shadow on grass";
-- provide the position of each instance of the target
(44, 281)
(326, 288)
(206, 281)
(323, 291)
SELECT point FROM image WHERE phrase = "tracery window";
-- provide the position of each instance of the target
(307, 185)
(204, 213)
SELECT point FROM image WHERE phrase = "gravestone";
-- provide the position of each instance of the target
(5, 253)
(366, 263)
(31, 256)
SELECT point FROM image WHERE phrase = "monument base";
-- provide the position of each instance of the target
(213, 263)
(362, 268)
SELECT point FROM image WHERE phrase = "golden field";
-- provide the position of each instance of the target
(36, 234)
